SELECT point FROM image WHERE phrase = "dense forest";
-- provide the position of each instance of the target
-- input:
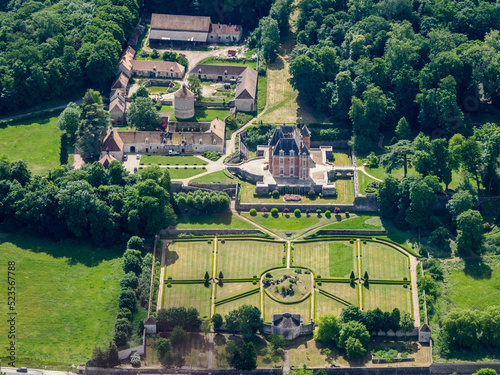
(52, 48)
(374, 62)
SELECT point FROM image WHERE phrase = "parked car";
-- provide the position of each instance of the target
(138, 157)
(172, 152)
(22, 369)
(124, 157)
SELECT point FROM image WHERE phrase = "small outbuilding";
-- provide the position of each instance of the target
(150, 325)
(424, 334)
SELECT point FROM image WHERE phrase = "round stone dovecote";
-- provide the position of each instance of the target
(184, 103)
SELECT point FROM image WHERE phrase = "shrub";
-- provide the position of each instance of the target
(298, 270)
(297, 212)
(276, 194)
(318, 211)
(347, 214)
(286, 211)
(337, 210)
(269, 274)
(135, 359)
(264, 210)
(328, 214)
(253, 212)
(274, 211)
(311, 194)
(308, 212)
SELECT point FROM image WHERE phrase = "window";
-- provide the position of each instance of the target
(304, 162)
(281, 171)
(201, 141)
(147, 141)
(291, 171)
(281, 160)
(304, 174)
(292, 153)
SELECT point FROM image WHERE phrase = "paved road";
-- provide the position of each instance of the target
(40, 111)
(13, 371)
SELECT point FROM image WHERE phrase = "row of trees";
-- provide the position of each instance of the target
(201, 202)
(352, 331)
(375, 63)
(93, 203)
(51, 49)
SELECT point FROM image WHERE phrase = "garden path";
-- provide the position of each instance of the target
(362, 169)
(360, 284)
(214, 275)
(162, 274)
(288, 254)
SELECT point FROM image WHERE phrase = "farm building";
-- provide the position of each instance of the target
(158, 69)
(177, 29)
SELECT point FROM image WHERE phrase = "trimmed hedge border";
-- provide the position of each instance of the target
(192, 281)
(388, 282)
(237, 296)
(334, 280)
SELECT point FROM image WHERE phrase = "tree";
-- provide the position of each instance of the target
(163, 346)
(116, 173)
(69, 119)
(267, 36)
(328, 329)
(277, 343)
(388, 193)
(422, 198)
(98, 357)
(407, 323)
(93, 120)
(246, 319)
(485, 371)
(132, 261)
(112, 357)
(248, 359)
(351, 313)
(143, 115)
(398, 156)
(342, 94)
(403, 129)
(460, 202)
(141, 92)
(355, 330)
(178, 336)
(63, 155)
(129, 280)
(135, 243)
(194, 84)
(466, 153)
(461, 328)
(127, 299)
(217, 321)
(470, 231)
(490, 326)
(395, 320)
(19, 171)
(354, 348)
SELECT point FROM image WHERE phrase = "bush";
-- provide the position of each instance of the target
(328, 214)
(337, 210)
(308, 212)
(297, 212)
(276, 194)
(347, 214)
(311, 194)
(253, 212)
(286, 211)
(274, 212)
(318, 211)
(135, 359)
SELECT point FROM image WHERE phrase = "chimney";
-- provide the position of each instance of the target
(107, 150)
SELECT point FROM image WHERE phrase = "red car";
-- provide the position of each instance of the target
(231, 52)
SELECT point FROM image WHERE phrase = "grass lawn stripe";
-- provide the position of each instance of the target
(188, 260)
(224, 309)
(325, 305)
(188, 295)
(342, 259)
(215, 177)
(387, 297)
(383, 262)
(217, 220)
(344, 291)
(171, 160)
(324, 257)
(244, 259)
(231, 289)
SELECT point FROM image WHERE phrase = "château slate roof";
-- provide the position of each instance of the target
(277, 135)
(305, 131)
(286, 145)
(287, 320)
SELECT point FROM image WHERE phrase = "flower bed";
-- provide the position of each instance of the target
(292, 198)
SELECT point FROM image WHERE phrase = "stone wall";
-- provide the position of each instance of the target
(228, 104)
(165, 371)
(349, 232)
(178, 187)
(240, 172)
(209, 232)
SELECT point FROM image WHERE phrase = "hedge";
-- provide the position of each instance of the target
(237, 296)
(334, 297)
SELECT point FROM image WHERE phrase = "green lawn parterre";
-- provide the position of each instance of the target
(342, 290)
(216, 220)
(188, 295)
(180, 173)
(215, 177)
(387, 297)
(171, 160)
(188, 260)
(383, 262)
(66, 299)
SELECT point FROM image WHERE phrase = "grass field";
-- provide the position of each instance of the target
(216, 220)
(342, 290)
(302, 286)
(326, 259)
(181, 173)
(325, 305)
(188, 260)
(272, 307)
(188, 295)
(305, 351)
(36, 141)
(358, 222)
(66, 299)
(474, 283)
(345, 191)
(342, 158)
(215, 177)
(171, 160)
(261, 93)
(241, 259)
(383, 262)
(193, 352)
(231, 289)
(286, 222)
(224, 309)
(363, 180)
(387, 297)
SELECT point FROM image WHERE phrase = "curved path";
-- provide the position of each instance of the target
(362, 169)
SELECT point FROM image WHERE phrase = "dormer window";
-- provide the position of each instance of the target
(147, 141)
(282, 152)
(201, 141)
(292, 153)
(214, 142)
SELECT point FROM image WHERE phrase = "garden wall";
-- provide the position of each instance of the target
(228, 104)
(353, 232)
(245, 174)
(209, 232)
(178, 187)
(142, 370)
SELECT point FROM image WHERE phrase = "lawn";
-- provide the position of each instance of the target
(171, 160)
(283, 222)
(244, 259)
(473, 283)
(325, 305)
(358, 222)
(214, 61)
(383, 262)
(193, 352)
(188, 295)
(218, 177)
(326, 259)
(66, 299)
(261, 93)
(342, 158)
(200, 114)
(364, 180)
(225, 308)
(180, 173)
(216, 220)
(345, 195)
(36, 141)
(342, 290)
(228, 290)
(301, 284)
(387, 297)
(188, 260)
(272, 307)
